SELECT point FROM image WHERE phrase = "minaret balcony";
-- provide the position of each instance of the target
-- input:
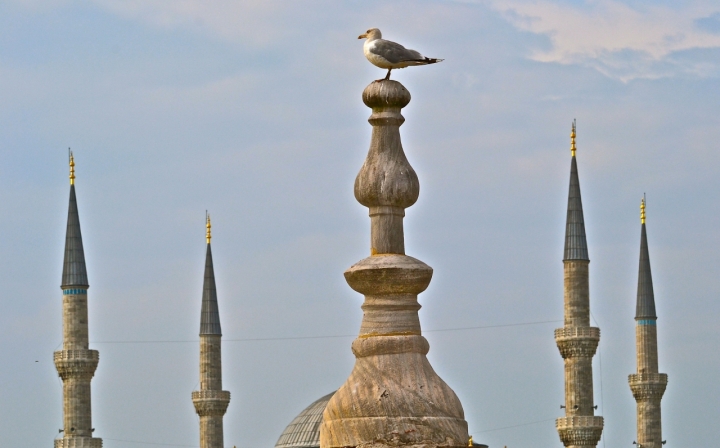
(79, 442)
(211, 402)
(580, 430)
(576, 342)
(76, 364)
(648, 386)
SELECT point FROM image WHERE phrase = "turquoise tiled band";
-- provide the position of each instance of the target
(74, 291)
(647, 322)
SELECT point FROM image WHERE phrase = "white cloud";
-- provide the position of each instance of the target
(618, 40)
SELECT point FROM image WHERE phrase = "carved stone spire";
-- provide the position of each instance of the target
(393, 396)
(210, 401)
(75, 363)
(647, 385)
(577, 340)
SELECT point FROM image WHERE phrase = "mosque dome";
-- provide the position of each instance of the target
(304, 430)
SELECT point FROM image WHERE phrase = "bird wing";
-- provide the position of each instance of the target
(393, 52)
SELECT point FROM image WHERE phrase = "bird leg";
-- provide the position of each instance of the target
(387, 77)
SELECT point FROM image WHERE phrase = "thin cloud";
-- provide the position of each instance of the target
(619, 41)
(253, 22)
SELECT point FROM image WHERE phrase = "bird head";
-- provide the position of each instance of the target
(371, 34)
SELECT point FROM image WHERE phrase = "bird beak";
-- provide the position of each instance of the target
(362, 36)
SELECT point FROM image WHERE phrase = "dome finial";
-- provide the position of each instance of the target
(572, 139)
(208, 226)
(72, 167)
(642, 210)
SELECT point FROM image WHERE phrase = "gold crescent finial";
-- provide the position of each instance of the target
(642, 210)
(470, 441)
(208, 226)
(572, 139)
(72, 168)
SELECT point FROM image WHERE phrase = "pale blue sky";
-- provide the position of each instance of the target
(252, 110)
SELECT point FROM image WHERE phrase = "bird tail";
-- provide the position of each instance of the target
(432, 60)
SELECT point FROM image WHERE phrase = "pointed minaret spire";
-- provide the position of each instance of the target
(645, 297)
(577, 340)
(647, 385)
(210, 401)
(210, 314)
(74, 270)
(75, 363)
(575, 240)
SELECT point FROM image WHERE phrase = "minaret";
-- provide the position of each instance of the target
(75, 363)
(210, 401)
(647, 385)
(577, 340)
(393, 396)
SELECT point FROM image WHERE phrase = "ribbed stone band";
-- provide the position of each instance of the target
(77, 364)
(577, 341)
(647, 386)
(580, 430)
(211, 402)
(79, 442)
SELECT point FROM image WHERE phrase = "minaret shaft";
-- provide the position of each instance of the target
(210, 362)
(577, 340)
(75, 322)
(646, 347)
(576, 293)
(647, 385)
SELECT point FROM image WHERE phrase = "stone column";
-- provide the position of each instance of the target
(393, 396)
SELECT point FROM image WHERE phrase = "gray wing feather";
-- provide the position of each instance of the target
(395, 52)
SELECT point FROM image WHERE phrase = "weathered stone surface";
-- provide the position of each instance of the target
(76, 366)
(79, 442)
(393, 396)
(386, 183)
(211, 402)
(648, 387)
(577, 432)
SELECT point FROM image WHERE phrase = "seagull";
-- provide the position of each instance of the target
(388, 54)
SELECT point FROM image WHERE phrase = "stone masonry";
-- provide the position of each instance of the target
(75, 363)
(210, 401)
(577, 340)
(647, 385)
(393, 396)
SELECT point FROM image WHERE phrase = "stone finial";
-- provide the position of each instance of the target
(393, 397)
(386, 183)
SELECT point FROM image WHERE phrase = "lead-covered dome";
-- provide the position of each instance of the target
(304, 430)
